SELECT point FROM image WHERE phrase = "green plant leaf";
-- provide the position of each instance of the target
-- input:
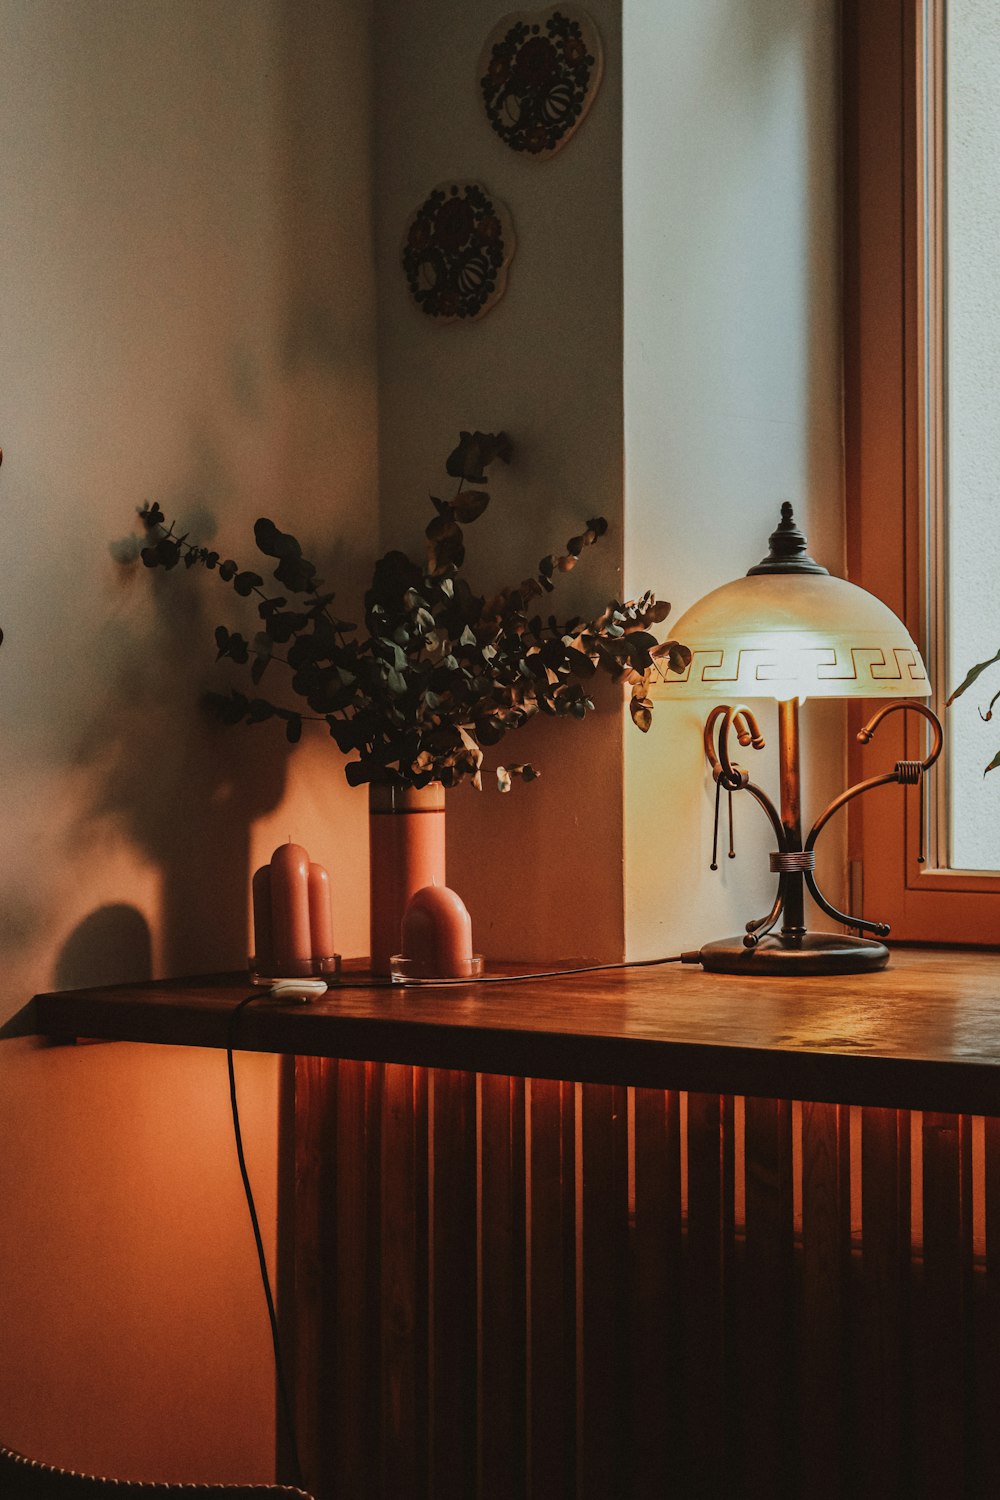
(436, 675)
(970, 677)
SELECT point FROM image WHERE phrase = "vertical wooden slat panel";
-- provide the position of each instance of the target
(386, 1384)
(769, 1395)
(986, 1449)
(552, 1299)
(826, 1252)
(883, 1332)
(659, 1450)
(404, 1283)
(304, 1252)
(947, 1234)
(732, 1261)
(604, 1451)
(707, 1264)
(352, 1415)
(503, 1315)
(453, 1445)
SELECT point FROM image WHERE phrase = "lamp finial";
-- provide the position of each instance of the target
(789, 549)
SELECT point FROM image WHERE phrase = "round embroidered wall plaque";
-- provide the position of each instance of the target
(458, 247)
(538, 75)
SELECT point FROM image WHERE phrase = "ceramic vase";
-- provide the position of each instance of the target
(406, 852)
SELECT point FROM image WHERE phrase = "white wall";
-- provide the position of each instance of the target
(541, 869)
(186, 315)
(732, 396)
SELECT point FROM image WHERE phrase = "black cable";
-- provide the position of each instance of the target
(334, 986)
(633, 963)
(286, 1405)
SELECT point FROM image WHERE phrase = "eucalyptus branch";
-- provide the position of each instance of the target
(437, 675)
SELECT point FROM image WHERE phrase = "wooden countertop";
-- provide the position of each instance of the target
(925, 1033)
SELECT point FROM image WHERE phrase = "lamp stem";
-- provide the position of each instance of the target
(793, 889)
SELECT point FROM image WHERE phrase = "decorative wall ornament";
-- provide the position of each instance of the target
(538, 75)
(459, 245)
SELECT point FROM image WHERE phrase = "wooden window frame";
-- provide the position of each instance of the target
(884, 435)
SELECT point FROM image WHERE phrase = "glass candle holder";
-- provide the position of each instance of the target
(264, 973)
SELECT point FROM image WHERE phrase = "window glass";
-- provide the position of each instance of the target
(971, 418)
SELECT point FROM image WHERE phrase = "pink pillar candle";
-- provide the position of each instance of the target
(437, 934)
(320, 912)
(290, 929)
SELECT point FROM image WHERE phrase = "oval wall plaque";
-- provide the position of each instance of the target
(538, 75)
(458, 248)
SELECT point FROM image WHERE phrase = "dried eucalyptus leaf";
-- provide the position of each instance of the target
(436, 674)
(642, 713)
(470, 504)
(474, 454)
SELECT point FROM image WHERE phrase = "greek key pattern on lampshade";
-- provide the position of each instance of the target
(816, 670)
(858, 669)
(794, 636)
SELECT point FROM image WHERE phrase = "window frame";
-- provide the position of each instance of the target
(886, 450)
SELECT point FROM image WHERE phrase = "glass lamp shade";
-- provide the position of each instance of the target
(792, 635)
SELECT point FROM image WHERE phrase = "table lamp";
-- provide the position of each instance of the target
(788, 631)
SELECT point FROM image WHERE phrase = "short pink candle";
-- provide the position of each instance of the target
(320, 912)
(290, 929)
(437, 934)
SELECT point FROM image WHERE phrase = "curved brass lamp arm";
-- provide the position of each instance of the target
(868, 732)
(845, 797)
(722, 767)
(772, 813)
(727, 772)
(880, 929)
(905, 772)
(744, 721)
(747, 728)
(762, 925)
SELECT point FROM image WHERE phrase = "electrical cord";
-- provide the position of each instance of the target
(402, 984)
(286, 1405)
(238, 1009)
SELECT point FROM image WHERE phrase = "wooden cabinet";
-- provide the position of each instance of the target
(641, 1233)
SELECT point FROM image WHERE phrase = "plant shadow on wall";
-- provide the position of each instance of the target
(186, 798)
(442, 673)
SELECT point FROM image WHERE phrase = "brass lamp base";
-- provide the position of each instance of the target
(784, 953)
